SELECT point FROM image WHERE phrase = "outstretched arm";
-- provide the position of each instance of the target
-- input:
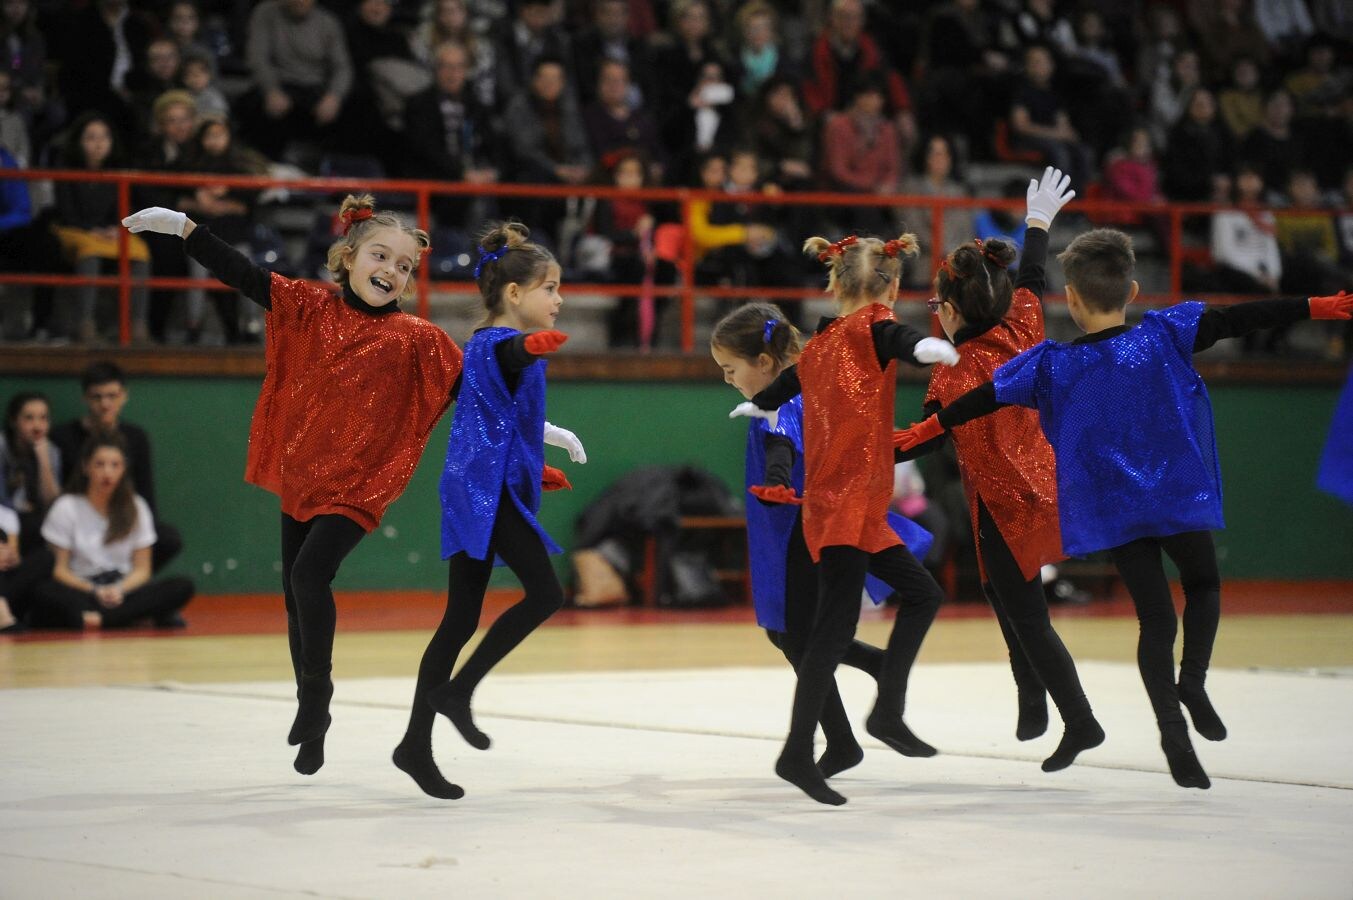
(919, 450)
(1221, 322)
(220, 259)
(978, 402)
(893, 340)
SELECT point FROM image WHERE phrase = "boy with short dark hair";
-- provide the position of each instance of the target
(1130, 422)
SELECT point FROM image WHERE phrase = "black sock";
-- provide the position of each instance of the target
(312, 711)
(1184, 764)
(804, 774)
(456, 707)
(310, 756)
(1033, 714)
(839, 756)
(416, 761)
(1077, 738)
(1205, 719)
(897, 735)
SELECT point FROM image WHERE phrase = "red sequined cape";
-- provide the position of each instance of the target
(847, 436)
(1004, 457)
(347, 404)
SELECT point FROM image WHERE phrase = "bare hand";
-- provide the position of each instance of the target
(9, 557)
(327, 109)
(108, 595)
(276, 103)
(760, 235)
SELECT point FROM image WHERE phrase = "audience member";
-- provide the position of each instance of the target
(30, 465)
(1198, 158)
(101, 533)
(608, 39)
(1242, 102)
(616, 125)
(105, 394)
(1039, 122)
(936, 175)
(449, 21)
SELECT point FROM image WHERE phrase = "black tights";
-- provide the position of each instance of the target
(312, 551)
(841, 577)
(801, 587)
(1038, 658)
(1140, 564)
(520, 547)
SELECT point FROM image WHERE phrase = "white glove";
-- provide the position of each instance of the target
(157, 219)
(935, 350)
(562, 437)
(751, 410)
(1049, 195)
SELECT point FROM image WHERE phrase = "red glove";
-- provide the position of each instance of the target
(1340, 306)
(554, 480)
(918, 434)
(543, 342)
(778, 493)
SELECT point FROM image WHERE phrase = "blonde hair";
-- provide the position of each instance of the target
(360, 221)
(861, 267)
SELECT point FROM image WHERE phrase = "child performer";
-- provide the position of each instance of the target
(847, 375)
(340, 370)
(1130, 423)
(491, 491)
(752, 345)
(1008, 468)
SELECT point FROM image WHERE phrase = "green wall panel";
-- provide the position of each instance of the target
(1279, 526)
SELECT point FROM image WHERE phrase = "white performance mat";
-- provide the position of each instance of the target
(659, 784)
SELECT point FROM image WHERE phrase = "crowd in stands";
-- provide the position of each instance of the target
(81, 539)
(1244, 102)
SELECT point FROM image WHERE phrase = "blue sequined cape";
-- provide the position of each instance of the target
(497, 438)
(1131, 424)
(1336, 463)
(769, 527)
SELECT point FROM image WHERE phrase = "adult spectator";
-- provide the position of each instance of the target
(105, 394)
(449, 20)
(1198, 155)
(1274, 146)
(936, 175)
(966, 72)
(842, 57)
(532, 35)
(30, 465)
(759, 54)
(1227, 31)
(1039, 122)
(97, 48)
(173, 124)
(616, 126)
(1242, 101)
(101, 534)
(681, 61)
(156, 73)
(1171, 91)
(860, 151)
(783, 135)
(1038, 22)
(449, 134)
(27, 244)
(608, 39)
(302, 73)
(183, 26)
(547, 138)
(1244, 242)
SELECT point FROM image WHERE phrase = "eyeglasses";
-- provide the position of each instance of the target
(933, 304)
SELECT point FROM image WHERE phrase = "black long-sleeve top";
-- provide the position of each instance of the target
(892, 340)
(255, 282)
(1216, 324)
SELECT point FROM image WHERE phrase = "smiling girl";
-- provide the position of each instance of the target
(490, 489)
(341, 370)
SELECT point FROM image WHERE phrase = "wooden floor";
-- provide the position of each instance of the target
(1291, 626)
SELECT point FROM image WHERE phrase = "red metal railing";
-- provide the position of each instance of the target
(686, 290)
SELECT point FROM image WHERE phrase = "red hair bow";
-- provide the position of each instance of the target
(895, 246)
(352, 216)
(837, 248)
(948, 269)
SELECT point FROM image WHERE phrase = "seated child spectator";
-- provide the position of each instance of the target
(101, 533)
(200, 82)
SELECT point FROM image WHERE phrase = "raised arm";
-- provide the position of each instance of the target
(1221, 322)
(223, 261)
(1045, 197)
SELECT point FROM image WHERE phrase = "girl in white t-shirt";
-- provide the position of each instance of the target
(101, 533)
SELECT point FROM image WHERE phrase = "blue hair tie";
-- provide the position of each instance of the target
(487, 257)
(768, 330)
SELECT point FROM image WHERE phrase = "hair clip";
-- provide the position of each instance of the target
(487, 257)
(769, 330)
(352, 216)
(896, 245)
(947, 268)
(837, 248)
(986, 254)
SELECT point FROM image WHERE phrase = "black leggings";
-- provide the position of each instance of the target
(801, 587)
(1140, 564)
(1038, 658)
(312, 551)
(58, 605)
(841, 577)
(517, 543)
